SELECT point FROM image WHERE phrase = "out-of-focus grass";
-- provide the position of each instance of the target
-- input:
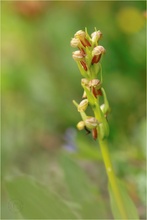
(40, 79)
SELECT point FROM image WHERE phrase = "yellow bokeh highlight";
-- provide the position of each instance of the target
(130, 20)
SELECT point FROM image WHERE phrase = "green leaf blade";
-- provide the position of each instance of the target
(129, 207)
(82, 191)
(34, 201)
(76, 179)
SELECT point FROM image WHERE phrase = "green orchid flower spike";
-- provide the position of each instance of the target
(88, 57)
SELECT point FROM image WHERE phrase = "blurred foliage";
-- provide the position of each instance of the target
(39, 81)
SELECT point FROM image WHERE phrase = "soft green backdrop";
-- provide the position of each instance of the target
(39, 82)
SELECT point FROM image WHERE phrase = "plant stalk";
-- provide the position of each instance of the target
(112, 177)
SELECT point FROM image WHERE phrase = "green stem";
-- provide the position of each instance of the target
(112, 177)
(108, 165)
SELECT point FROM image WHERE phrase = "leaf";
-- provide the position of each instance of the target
(130, 209)
(94, 209)
(34, 201)
(82, 191)
(76, 179)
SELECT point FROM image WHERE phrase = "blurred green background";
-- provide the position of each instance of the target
(39, 82)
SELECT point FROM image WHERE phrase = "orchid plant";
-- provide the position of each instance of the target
(88, 57)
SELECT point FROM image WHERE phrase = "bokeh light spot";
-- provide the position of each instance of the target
(130, 20)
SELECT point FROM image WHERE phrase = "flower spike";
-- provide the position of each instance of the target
(88, 58)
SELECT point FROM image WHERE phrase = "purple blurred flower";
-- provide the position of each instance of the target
(69, 138)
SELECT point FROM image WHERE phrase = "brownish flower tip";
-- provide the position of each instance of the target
(82, 52)
(85, 43)
(84, 65)
(99, 92)
(96, 92)
(81, 35)
(96, 59)
(94, 133)
(96, 53)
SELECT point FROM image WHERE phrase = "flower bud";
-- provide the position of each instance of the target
(83, 105)
(84, 65)
(94, 83)
(94, 133)
(98, 50)
(95, 86)
(96, 54)
(96, 36)
(91, 122)
(81, 35)
(75, 42)
(77, 55)
(85, 82)
(81, 125)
